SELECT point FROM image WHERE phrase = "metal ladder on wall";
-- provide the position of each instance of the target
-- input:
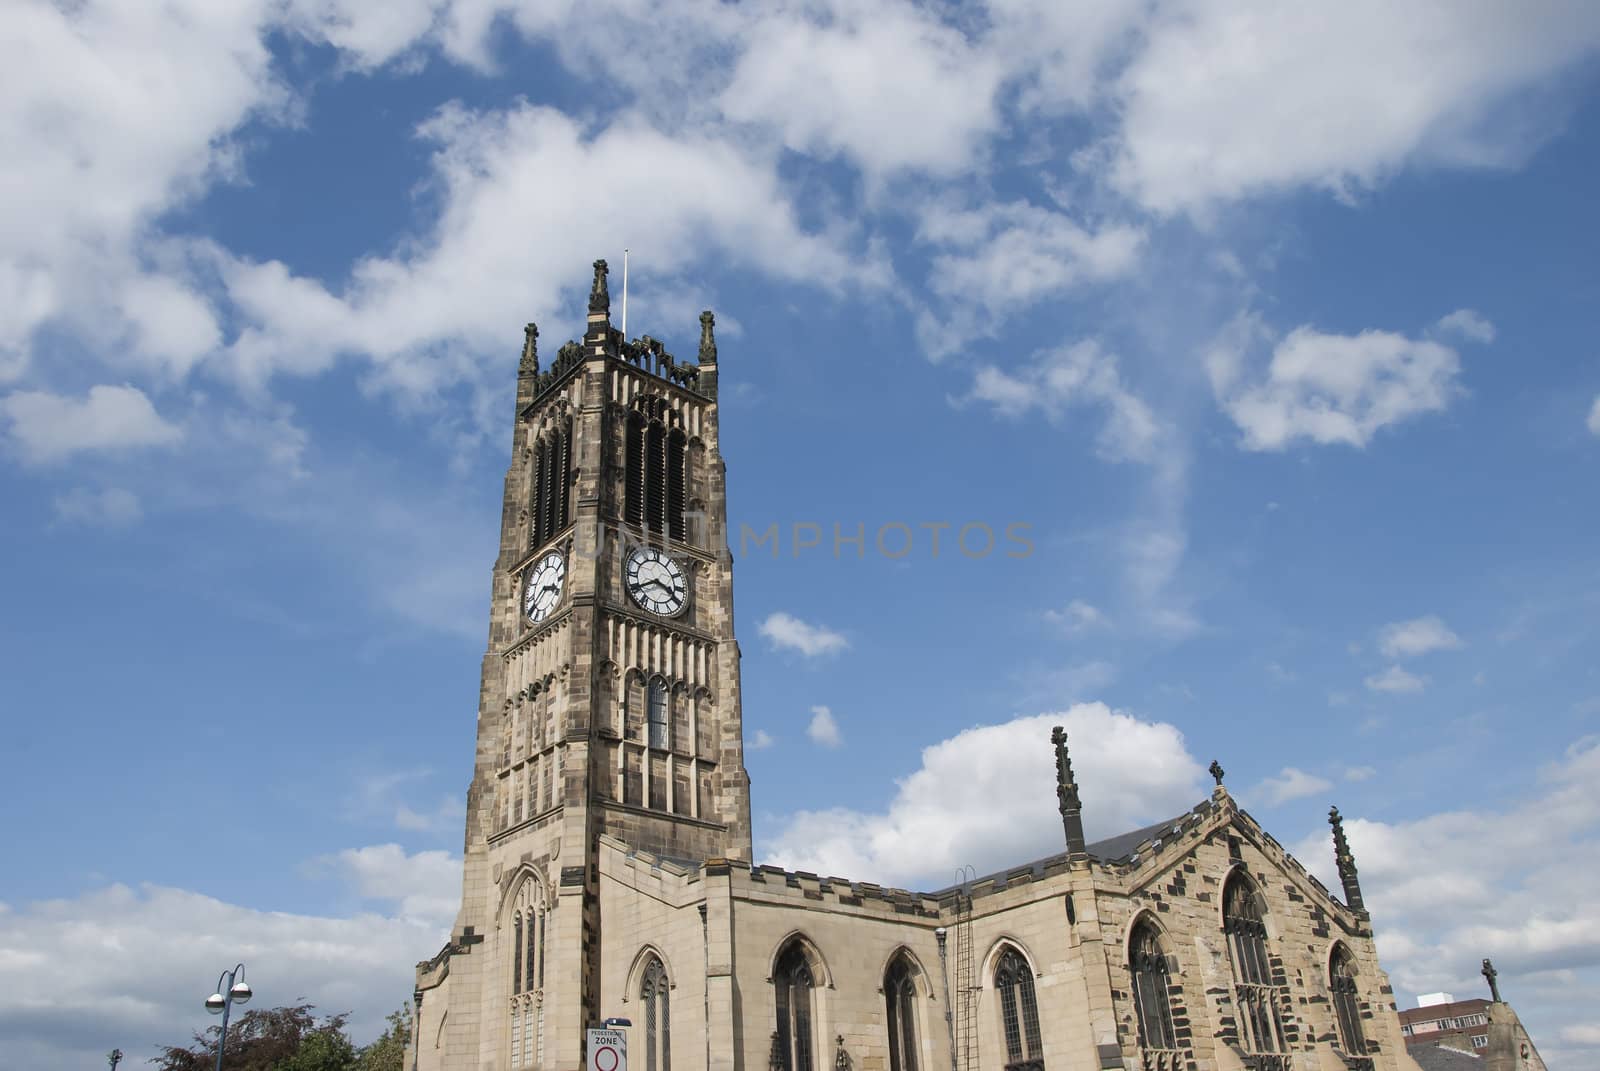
(966, 998)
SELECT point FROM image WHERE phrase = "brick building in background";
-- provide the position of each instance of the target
(1446, 1034)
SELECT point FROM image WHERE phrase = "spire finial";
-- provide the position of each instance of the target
(599, 296)
(1070, 804)
(708, 341)
(530, 351)
(1216, 771)
(1490, 975)
(1345, 862)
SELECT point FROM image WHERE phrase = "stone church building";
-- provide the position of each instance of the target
(608, 863)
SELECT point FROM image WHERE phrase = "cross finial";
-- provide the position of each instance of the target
(708, 340)
(1490, 975)
(1216, 771)
(530, 351)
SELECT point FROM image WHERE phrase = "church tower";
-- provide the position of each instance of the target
(609, 701)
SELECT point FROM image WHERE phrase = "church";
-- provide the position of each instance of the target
(608, 869)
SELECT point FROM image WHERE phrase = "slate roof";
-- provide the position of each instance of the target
(1439, 1058)
(1110, 849)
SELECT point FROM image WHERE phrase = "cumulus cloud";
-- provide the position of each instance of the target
(1243, 99)
(1291, 783)
(823, 729)
(1467, 324)
(986, 797)
(135, 956)
(992, 260)
(48, 427)
(789, 633)
(808, 80)
(1396, 680)
(1360, 773)
(1080, 374)
(1326, 388)
(759, 740)
(1419, 636)
(1594, 417)
(1511, 879)
(425, 315)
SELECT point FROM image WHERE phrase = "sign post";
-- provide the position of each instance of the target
(608, 1050)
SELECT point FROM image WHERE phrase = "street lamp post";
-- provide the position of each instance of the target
(231, 989)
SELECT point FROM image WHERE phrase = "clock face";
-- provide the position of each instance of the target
(656, 582)
(544, 586)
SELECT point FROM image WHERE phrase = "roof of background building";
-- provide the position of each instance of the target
(1439, 1058)
(1429, 1012)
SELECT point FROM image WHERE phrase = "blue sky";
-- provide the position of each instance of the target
(1274, 328)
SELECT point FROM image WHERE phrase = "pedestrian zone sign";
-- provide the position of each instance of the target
(608, 1050)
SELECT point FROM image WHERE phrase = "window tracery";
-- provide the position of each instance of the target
(1256, 998)
(1019, 1012)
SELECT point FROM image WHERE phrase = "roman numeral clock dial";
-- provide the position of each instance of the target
(544, 587)
(656, 582)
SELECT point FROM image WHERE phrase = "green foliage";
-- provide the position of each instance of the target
(291, 1039)
(388, 1053)
(322, 1050)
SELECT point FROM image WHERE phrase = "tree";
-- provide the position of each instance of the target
(388, 1053)
(268, 1039)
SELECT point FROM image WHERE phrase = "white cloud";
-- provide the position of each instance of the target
(110, 507)
(1326, 388)
(1077, 616)
(999, 258)
(1396, 680)
(759, 740)
(135, 956)
(825, 88)
(49, 427)
(1226, 101)
(1467, 324)
(823, 729)
(429, 314)
(987, 797)
(425, 886)
(126, 110)
(1594, 417)
(788, 632)
(1512, 879)
(1360, 773)
(1291, 783)
(1077, 374)
(1419, 636)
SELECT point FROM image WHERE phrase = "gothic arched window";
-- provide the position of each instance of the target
(552, 483)
(1255, 995)
(792, 1042)
(657, 1018)
(1019, 1012)
(900, 1002)
(657, 704)
(653, 494)
(1151, 977)
(1346, 1001)
(527, 976)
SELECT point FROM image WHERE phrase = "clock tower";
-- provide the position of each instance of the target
(610, 689)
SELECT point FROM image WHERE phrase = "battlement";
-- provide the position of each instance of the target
(645, 353)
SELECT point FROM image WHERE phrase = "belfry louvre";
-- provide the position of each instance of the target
(608, 867)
